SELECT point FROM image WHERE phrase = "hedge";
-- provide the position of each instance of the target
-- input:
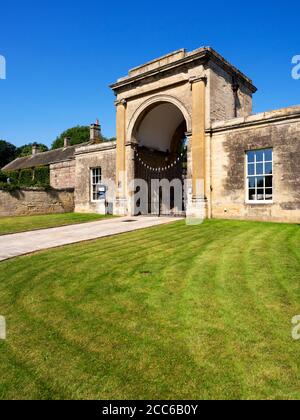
(26, 178)
(3, 177)
(42, 176)
(13, 176)
(4, 186)
(37, 177)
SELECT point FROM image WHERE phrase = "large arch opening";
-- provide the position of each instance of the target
(161, 158)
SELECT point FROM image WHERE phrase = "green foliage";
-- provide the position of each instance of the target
(28, 223)
(26, 150)
(3, 177)
(13, 176)
(42, 176)
(172, 312)
(8, 187)
(7, 153)
(26, 178)
(78, 135)
(37, 177)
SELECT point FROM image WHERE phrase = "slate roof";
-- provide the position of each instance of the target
(43, 159)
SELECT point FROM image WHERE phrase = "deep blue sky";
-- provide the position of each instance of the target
(62, 55)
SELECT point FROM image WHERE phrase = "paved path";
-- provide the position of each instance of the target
(24, 243)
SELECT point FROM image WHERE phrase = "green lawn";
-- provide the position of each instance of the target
(172, 312)
(25, 223)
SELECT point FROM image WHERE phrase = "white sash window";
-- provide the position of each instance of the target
(259, 176)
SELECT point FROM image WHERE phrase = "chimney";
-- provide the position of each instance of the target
(95, 132)
(34, 149)
(67, 142)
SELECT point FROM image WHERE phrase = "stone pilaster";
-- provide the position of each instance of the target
(197, 207)
(121, 201)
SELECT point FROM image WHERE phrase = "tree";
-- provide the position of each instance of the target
(26, 150)
(78, 135)
(7, 153)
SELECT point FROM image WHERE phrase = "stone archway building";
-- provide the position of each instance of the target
(188, 115)
(203, 87)
(246, 165)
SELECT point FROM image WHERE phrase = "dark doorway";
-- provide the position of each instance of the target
(163, 171)
(161, 160)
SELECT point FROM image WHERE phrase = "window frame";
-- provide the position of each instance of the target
(92, 184)
(247, 176)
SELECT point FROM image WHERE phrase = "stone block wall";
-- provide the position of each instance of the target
(94, 156)
(230, 140)
(29, 202)
(222, 100)
(62, 174)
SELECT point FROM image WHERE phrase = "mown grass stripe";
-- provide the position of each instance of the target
(168, 312)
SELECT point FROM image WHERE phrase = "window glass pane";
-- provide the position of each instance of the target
(269, 181)
(260, 194)
(259, 169)
(259, 156)
(251, 182)
(269, 194)
(251, 156)
(268, 168)
(260, 182)
(251, 195)
(251, 169)
(268, 155)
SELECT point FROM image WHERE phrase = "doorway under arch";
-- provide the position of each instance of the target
(161, 158)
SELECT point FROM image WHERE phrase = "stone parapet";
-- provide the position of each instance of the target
(278, 115)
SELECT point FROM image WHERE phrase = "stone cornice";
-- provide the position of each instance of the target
(131, 143)
(96, 148)
(188, 134)
(196, 79)
(204, 55)
(62, 161)
(121, 102)
(272, 117)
